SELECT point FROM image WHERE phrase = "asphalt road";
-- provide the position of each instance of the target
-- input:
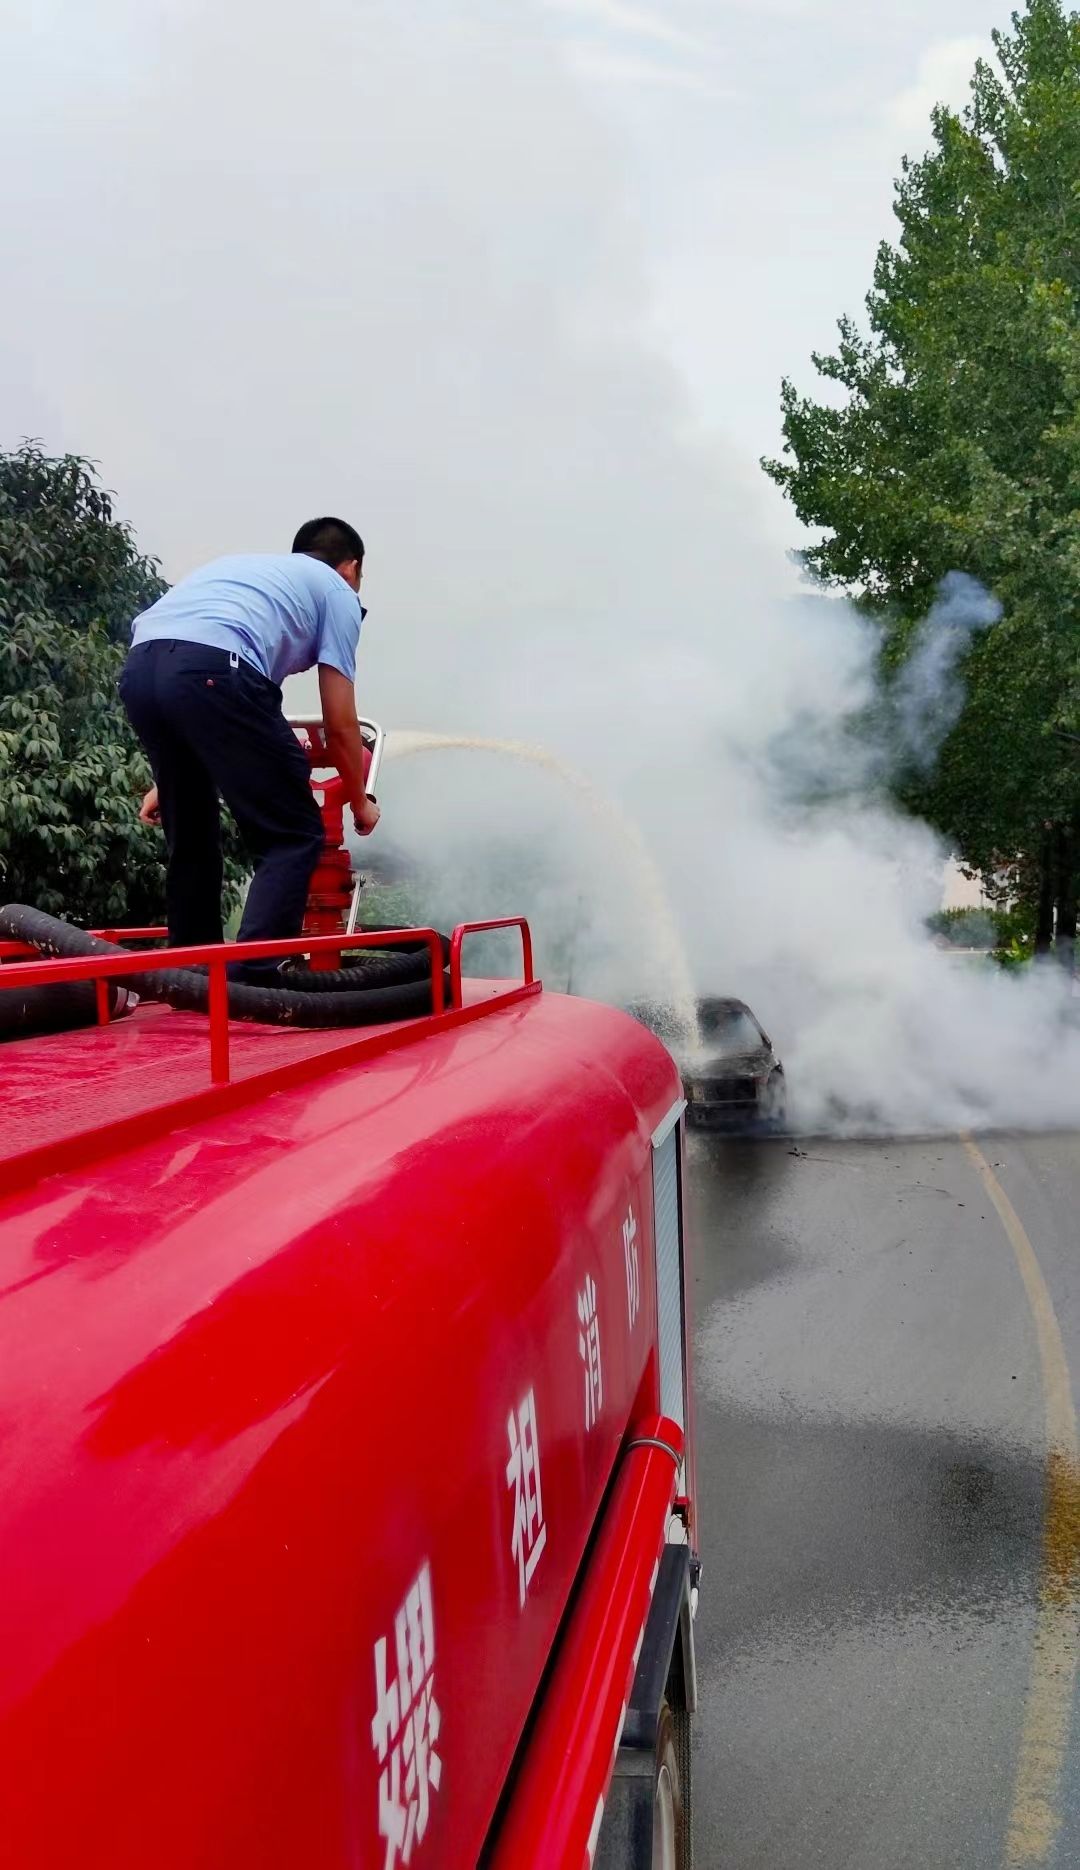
(890, 1511)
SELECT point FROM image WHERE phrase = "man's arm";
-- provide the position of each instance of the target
(344, 746)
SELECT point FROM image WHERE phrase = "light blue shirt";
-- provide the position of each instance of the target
(281, 611)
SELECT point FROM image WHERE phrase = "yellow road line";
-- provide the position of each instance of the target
(1035, 1818)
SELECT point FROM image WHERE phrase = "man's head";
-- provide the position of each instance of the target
(337, 543)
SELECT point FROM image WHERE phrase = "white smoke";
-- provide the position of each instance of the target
(928, 696)
(376, 257)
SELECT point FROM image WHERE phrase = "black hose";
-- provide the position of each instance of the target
(30, 1011)
(187, 989)
(369, 967)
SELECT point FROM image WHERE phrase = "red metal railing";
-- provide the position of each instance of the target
(122, 935)
(477, 928)
(217, 958)
(554, 1814)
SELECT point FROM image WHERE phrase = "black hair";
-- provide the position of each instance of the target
(332, 540)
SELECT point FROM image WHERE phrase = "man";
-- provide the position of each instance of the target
(202, 689)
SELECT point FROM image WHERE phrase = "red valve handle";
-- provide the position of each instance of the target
(332, 788)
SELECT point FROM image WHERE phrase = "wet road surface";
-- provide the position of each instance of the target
(889, 1632)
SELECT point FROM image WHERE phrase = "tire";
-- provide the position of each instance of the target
(647, 1822)
(671, 1827)
(684, 1750)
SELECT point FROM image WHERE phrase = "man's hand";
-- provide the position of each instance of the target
(150, 810)
(366, 818)
(343, 745)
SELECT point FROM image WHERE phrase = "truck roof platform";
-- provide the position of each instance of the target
(70, 1097)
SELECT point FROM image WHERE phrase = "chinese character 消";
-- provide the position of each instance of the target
(589, 1350)
(523, 1474)
(405, 1729)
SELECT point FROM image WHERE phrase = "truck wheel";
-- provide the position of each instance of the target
(671, 1828)
(647, 1821)
(683, 1742)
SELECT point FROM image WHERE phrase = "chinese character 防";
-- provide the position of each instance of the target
(523, 1475)
(589, 1350)
(633, 1276)
(405, 1729)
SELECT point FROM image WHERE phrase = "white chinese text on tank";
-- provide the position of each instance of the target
(633, 1272)
(405, 1730)
(589, 1350)
(529, 1534)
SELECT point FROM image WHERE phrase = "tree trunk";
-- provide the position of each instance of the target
(1067, 894)
(1044, 918)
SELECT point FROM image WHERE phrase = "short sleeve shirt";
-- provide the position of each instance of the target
(281, 612)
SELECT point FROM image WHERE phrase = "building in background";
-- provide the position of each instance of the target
(961, 892)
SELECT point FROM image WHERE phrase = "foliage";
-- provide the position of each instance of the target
(956, 445)
(501, 877)
(385, 905)
(1017, 934)
(71, 770)
(1015, 953)
(61, 543)
(967, 928)
(1009, 934)
(1015, 927)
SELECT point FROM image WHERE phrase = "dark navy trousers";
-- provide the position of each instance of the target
(213, 729)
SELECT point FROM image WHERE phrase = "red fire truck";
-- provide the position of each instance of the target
(346, 1481)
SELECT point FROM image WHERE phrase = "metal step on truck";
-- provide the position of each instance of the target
(347, 1510)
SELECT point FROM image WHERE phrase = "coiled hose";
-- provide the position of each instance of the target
(376, 986)
(30, 1010)
(369, 967)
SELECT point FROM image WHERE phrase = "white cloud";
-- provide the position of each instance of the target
(615, 44)
(637, 22)
(630, 68)
(943, 77)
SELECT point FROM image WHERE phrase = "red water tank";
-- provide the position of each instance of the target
(312, 1396)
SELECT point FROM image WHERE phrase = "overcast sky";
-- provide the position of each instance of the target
(762, 139)
(510, 284)
(749, 147)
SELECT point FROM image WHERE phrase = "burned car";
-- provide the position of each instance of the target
(735, 1080)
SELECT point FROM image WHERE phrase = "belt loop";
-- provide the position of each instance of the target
(234, 660)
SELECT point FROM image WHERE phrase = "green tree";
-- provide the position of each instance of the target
(71, 771)
(955, 444)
